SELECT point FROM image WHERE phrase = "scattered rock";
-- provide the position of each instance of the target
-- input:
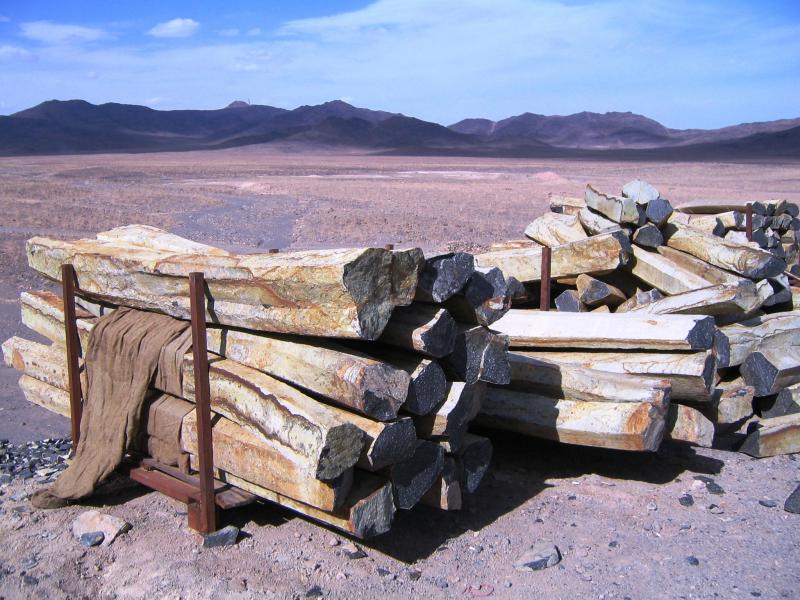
(652, 506)
(613, 544)
(539, 556)
(92, 538)
(30, 580)
(341, 576)
(227, 536)
(19, 496)
(314, 592)
(692, 560)
(441, 583)
(768, 503)
(686, 500)
(92, 521)
(792, 504)
(715, 509)
(352, 551)
(414, 574)
(711, 486)
(333, 542)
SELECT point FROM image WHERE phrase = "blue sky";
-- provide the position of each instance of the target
(684, 63)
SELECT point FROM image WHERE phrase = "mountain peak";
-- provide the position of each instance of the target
(238, 104)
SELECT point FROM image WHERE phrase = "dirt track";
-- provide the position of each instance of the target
(615, 517)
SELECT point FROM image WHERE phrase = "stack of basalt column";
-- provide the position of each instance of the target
(662, 326)
(342, 382)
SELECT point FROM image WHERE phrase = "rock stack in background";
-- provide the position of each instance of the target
(343, 428)
(700, 324)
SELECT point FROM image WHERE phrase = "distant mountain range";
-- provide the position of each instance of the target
(76, 126)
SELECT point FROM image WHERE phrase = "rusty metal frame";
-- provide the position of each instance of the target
(73, 344)
(202, 494)
(544, 292)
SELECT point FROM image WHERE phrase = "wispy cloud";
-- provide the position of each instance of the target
(14, 53)
(176, 28)
(253, 31)
(4, 19)
(231, 32)
(61, 33)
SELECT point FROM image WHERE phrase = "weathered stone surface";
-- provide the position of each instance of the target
(618, 209)
(267, 464)
(648, 236)
(344, 376)
(444, 275)
(569, 301)
(737, 299)
(561, 379)
(424, 328)
(741, 259)
(227, 536)
(335, 293)
(412, 478)
(772, 437)
(685, 424)
(91, 521)
(554, 229)
(658, 211)
(539, 329)
(539, 556)
(484, 299)
(792, 504)
(597, 254)
(594, 223)
(593, 292)
(276, 411)
(640, 191)
(691, 376)
(635, 426)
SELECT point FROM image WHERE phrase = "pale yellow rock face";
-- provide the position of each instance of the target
(334, 293)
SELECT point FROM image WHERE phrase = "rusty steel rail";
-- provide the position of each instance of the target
(73, 353)
(544, 291)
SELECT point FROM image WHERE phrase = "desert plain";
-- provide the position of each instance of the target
(614, 516)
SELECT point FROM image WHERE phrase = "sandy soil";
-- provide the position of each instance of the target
(615, 517)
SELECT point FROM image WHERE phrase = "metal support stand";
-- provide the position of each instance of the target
(202, 493)
(544, 294)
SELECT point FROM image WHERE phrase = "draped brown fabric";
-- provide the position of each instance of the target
(122, 361)
(164, 418)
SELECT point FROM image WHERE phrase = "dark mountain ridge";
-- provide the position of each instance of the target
(77, 126)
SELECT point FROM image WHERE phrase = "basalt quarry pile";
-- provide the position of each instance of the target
(665, 317)
(344, 383)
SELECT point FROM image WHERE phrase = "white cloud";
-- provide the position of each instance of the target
(176, 28)
(254, 31)
(14, 52)
(683, 62)
(231, 32)
(60, 33)
(4, 19)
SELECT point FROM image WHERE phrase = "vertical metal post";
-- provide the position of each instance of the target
(749, 222)
(73, 352)
(205, 451)
(544, 296)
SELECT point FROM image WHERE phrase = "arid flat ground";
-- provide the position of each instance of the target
(615, 517)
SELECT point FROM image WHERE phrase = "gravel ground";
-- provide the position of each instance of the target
(623, 523)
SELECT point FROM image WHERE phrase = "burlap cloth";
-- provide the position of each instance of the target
(128, 351)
